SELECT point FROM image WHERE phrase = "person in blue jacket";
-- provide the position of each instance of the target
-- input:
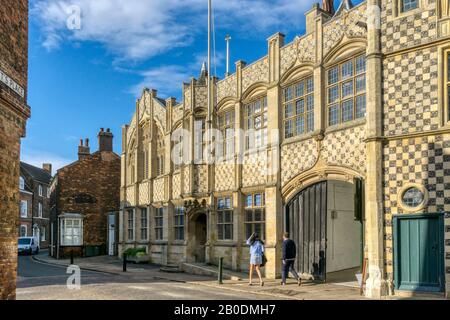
(256, 257)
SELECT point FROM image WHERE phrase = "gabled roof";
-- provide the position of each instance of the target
(36, 173)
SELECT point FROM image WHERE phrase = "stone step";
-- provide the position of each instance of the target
(171, 269)
(209, 270)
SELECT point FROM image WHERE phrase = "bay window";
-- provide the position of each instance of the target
(71, 231)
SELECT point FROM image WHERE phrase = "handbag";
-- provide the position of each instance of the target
(264, 260)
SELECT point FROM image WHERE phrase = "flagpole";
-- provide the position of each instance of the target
(209, 119)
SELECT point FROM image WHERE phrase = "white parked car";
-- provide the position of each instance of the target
(28, 245)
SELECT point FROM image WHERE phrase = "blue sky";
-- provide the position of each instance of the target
(84, 79)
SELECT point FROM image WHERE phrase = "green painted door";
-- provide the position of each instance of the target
(418, 253)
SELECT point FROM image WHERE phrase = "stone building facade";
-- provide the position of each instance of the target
(358, 173)
(84, 202)
(14, 112)
(34, 213)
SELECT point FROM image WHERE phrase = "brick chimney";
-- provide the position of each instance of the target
(328, 6)
(47, 167)
(105, 140)
(83, 149)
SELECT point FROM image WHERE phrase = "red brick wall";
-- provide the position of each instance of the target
(13, 114)
(98, 176)
(10, 133)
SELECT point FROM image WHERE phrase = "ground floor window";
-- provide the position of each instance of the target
(23, 231)
(255, 215)
(130, 225)
(179, 223)
(43, 235)
(144, 224)
(224, 219)
(71, 232)
(159, 224)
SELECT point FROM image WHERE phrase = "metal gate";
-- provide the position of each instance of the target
(306, 221)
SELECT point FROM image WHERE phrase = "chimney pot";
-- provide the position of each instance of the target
(87, 142)
(81, 142)
(105, 141)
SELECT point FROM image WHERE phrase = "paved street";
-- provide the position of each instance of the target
(38, 281)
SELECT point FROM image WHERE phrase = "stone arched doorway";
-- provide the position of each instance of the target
(197, 237)
(324, 221)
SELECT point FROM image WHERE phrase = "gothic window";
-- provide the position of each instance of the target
(255, 118)
(226, 128)
(298, 106)
(346, 91)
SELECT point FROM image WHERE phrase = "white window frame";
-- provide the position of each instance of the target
(42, 233)
(21, 183)
(23, 204)
(20, 230)
(40, 210)
(40, 190)
(131, 227)
(63, 225)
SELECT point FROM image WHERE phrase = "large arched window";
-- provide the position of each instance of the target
(346, 91)
(298, 106)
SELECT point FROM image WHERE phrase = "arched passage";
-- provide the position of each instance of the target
(322, 221)
(197, 237)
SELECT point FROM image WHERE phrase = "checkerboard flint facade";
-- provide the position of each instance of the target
(402, 141)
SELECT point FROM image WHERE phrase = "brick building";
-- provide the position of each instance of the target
(14, 112)
(85, 199)
(358, 168)
(34, 215)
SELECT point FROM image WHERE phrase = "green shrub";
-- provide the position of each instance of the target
(135, 252)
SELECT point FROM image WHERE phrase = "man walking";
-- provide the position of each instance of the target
(289, 255)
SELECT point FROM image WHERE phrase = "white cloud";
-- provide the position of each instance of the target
(168, 79)
(37, 158)
(137, 29)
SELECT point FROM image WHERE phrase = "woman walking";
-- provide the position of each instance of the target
(256, 257)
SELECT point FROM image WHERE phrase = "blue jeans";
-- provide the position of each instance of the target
(289, 266)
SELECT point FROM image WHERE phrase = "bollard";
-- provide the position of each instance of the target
(220, 280)
(71, 257)
(124, 262)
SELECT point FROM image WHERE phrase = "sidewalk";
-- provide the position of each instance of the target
(272, 288)
(105, 264)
